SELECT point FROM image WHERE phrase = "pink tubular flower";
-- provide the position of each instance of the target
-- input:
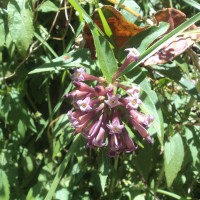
(128, 144)
(134, 90)
(78, 74)
(72, 119)
(102, 112)
(113, 100)
(133, 54)
(142, 131)
(84, 87)
(141, 118)
(115, 126)
(132, 102)
(114, 142)
(77, 94)
(84, 105)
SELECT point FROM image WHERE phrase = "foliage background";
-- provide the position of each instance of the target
(37, 154)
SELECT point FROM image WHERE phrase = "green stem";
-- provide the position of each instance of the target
(116, 161)
(49, 102)
(160, 177)
(170, 194)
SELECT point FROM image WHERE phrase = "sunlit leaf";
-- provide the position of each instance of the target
(47, 6)
(20, 23)
(173, 158)
(4, 186)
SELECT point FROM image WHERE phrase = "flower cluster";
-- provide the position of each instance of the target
(100, 112)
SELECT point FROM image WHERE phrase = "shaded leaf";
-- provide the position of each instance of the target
(4, 186)
(69, 60)
(192, 134)
(20, 23)
(2, 31)
(174, 73)
(48, 6)
(173, 158)
(104, 165)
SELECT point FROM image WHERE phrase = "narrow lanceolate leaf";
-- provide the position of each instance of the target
(4, 186)
(20, 23)
(104, 53)
(173, 158)
(2, 30)
(103, 163)
(105, 56)
(62, 167)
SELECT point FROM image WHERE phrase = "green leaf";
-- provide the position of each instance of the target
(2, 31)
(62, 167)
(103, 163)
(173, 72)
(10, 45)
(105, 55)
(143, 161)
(132, 5)
(140, 197)
(193, 4)
(20, 23)
(69, 60)
(173, 158)
(192, 134)
(158, 45)
(4, 186)
(142, 40)
(47, 6)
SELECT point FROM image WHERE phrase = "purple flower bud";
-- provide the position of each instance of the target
(113, 100)
(142, 131)
(86, 118)
(128, 144)
(114, 142)
(133, 54)
(72, 119)
(100, 90)
(93, 132)
(84, 87)
(99, 140)
(150, 119)
(138, 117)
(77, 94)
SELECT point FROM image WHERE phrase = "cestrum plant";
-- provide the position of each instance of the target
(101, 113)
